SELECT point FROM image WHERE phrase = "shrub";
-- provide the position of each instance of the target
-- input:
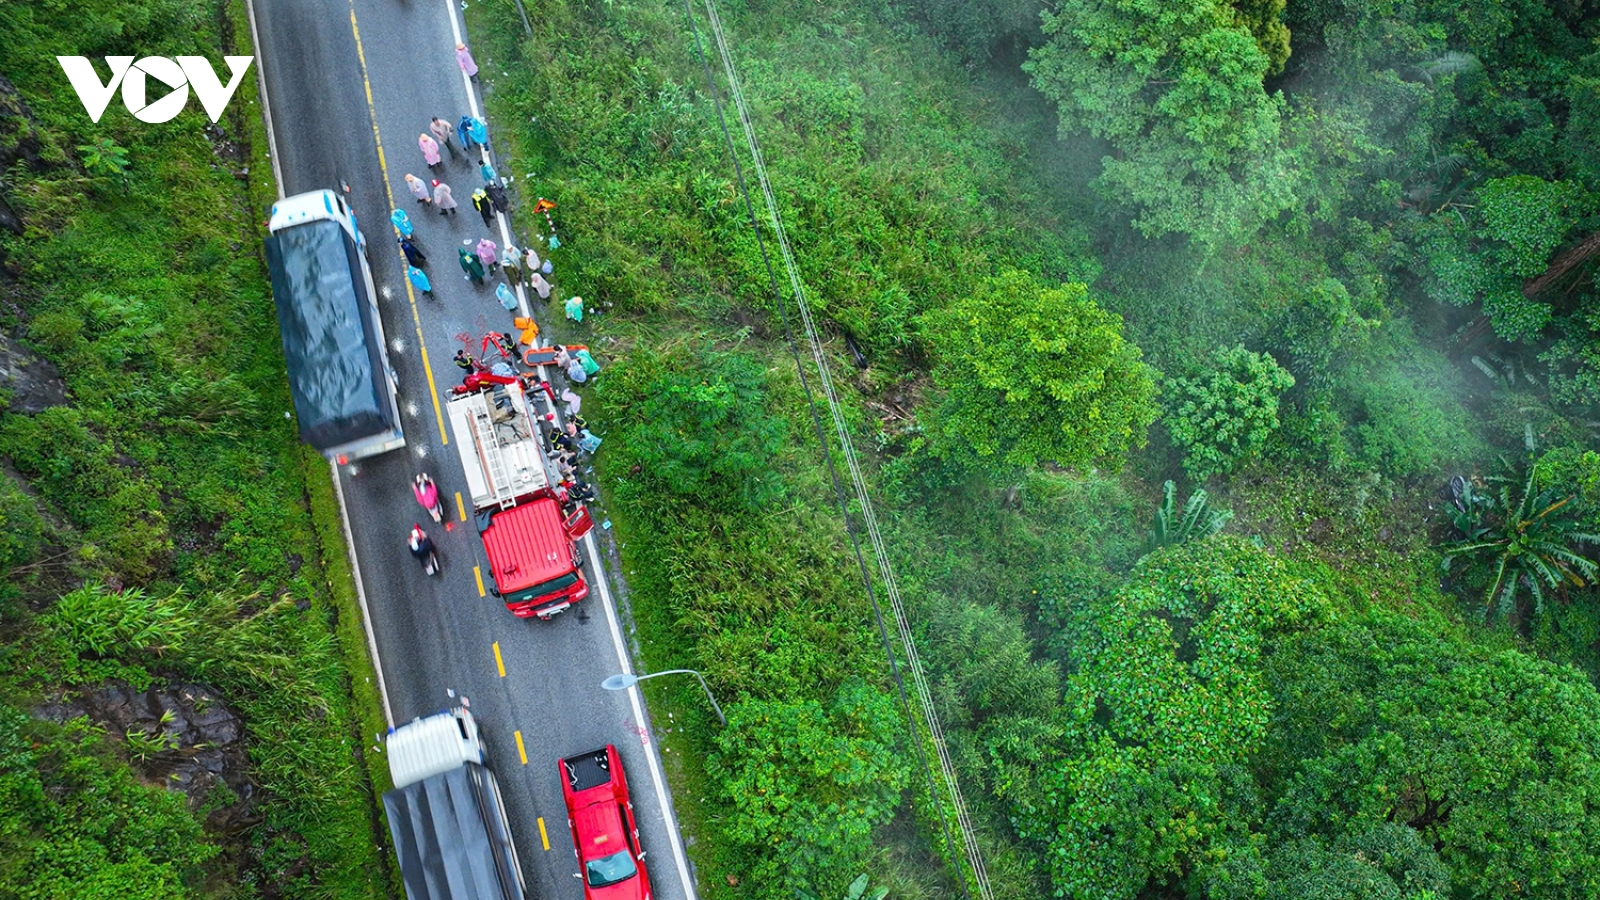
(697, 425)
(806, 784)
(1035, 374)
(1224, 415)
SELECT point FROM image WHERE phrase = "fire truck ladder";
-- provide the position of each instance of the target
(494, 464)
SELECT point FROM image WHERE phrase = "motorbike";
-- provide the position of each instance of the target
(422, 548)
(427, 494)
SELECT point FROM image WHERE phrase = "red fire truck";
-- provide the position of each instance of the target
(530, 540)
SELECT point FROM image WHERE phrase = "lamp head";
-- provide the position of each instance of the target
(620, 682)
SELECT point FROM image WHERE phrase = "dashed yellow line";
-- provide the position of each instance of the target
(543, 838)
(522, 751)
(498, 662)
(416, 318)
(478, 574)
(460, 508)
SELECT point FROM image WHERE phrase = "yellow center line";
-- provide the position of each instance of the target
(543, 838)
(460, 508)
(498, 662)
(416, 318)
(478, 574)
(521, 750)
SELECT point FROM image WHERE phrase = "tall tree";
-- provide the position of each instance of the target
(1176, 89)
(1032, 373)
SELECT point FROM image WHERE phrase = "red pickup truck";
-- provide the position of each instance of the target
(604, 834)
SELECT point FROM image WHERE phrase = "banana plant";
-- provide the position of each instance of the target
(1529, 540)
(1196, 522)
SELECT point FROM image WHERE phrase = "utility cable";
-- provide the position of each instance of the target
(929, 715)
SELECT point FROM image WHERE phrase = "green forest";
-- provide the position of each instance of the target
(1226, 378)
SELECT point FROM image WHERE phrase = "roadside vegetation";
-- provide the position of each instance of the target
(178, 716)
(1313, 261)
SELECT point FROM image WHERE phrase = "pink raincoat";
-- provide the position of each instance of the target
(430, 149)
(487, 252)
(464, 57)
(540, 285)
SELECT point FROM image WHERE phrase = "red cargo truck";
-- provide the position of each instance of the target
(530, 540)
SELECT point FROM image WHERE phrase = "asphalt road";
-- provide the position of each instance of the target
(435, 636)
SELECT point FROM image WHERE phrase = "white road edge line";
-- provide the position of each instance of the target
(651, 756)
(483, 154)
(361, 596)
(266, 105)
(333, 471)
(658, 781)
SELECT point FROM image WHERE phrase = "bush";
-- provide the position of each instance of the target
(1402, 403)
(1224, 415)
(74, 822)
(698, 425)
(806, 785)
(1034, 374)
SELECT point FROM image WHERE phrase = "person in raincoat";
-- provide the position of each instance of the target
(401, 223)
(477, 129)
(507, 299)
(464, 132)
(539, 285)
(510, 261)
(430, 150)
(498, 196)
(480, 202)
(574, 309)
(589, 365)
(464, 59)
(441, 131)
(419, 280)
(528, 330)
(419, 189)
(414, 254)
(443, 199)
(530, 258)
(487, 172)
(471, 266)
(488, 253)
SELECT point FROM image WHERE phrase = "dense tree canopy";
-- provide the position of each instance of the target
(1230, 734)
(1033, 373)
(1176, 89)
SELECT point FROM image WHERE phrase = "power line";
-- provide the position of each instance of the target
(929, 715)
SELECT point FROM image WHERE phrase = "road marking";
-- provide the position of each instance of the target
(668, 816)
(411, 294)
(472, 104)
(543, 837)
(460, 508)
(478, 574)
(361, 595)
(498, 662)
(523, 752)
(266, 105)
(658, 780)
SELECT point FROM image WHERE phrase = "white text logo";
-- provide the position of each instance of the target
(179, 76)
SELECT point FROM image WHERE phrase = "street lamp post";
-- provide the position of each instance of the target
(623, 682)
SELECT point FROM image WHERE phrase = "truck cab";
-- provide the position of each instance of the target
(343, 387)
(528, 537)
(452, 837)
